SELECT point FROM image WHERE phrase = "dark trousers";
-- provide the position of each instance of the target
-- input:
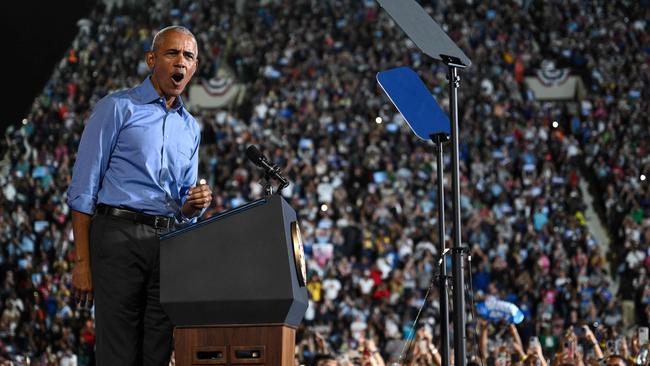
(131, 327)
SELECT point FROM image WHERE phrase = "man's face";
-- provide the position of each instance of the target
(172, 63)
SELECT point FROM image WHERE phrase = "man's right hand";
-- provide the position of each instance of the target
(82, 282)
(82, 285)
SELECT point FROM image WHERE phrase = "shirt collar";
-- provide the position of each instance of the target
(146, 94)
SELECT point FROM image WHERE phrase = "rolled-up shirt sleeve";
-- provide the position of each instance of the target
(97, 142)
(190, 180)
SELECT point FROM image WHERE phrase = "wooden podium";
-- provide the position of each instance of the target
(234, 286)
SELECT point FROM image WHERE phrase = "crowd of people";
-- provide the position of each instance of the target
(363, 186)
(614, 131)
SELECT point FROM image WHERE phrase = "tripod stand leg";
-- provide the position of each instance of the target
(439, 139)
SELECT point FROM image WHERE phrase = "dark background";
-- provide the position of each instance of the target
(36, 35)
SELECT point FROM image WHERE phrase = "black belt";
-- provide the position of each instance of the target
(159, 222)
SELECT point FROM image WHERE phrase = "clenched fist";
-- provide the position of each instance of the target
(198, 198)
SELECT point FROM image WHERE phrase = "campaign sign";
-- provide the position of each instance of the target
(498, 310)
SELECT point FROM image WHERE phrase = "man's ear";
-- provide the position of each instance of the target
(150, 58)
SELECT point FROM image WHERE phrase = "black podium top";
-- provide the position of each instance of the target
(235, 268)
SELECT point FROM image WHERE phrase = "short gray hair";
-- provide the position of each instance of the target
(174, 28)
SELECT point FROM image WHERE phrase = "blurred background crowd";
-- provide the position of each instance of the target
(363, 186)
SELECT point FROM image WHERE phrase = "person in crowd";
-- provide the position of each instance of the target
(135, 176)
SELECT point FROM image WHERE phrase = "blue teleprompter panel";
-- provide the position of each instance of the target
(414, 102)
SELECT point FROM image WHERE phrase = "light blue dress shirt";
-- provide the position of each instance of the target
(136, 154)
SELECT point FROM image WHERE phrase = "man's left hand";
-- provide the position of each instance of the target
(198, 198)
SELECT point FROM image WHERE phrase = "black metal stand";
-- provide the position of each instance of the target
(268, 187)
(442, 277)
(460, 342)
(435, 43)
(439, 139)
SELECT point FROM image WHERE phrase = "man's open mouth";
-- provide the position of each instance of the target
(178, 77)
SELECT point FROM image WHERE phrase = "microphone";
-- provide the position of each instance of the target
(257, 158)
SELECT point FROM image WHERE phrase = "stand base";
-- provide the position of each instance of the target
(272, 344)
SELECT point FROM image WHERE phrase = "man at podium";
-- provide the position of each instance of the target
(135, 177)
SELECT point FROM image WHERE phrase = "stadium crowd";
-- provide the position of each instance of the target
(613, 128)
(362, 184)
